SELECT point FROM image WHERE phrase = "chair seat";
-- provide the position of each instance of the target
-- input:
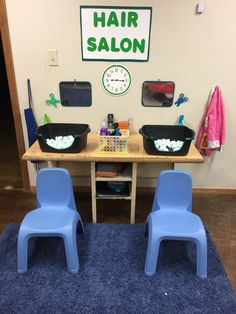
(177, 223)
(49, 219)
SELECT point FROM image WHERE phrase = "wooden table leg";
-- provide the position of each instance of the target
(52, 164)
(93, 191)
(133, 192)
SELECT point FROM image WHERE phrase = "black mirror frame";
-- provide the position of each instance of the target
(79, 86)
(163, 106)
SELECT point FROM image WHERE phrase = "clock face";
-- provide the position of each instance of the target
(116, 80)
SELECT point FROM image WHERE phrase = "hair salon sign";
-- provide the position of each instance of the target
(115, 33)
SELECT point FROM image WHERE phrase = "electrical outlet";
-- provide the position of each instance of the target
(52, 57)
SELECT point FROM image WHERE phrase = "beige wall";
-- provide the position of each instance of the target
(194, 51)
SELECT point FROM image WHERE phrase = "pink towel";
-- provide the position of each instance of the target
(211, 135)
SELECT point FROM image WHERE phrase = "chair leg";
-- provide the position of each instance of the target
(146, 229)
(80, 226)
(22, 253)
(72, 259)
(202, 257)
(152, 254)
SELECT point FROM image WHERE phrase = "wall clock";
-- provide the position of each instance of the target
(116, 80)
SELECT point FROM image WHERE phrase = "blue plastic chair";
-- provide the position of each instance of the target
(172, 218)
(56, 215)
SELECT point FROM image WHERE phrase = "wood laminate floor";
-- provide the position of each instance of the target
(218, 212)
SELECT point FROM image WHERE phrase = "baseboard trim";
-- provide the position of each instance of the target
(211, 191)
(150, 190)
(214, 191)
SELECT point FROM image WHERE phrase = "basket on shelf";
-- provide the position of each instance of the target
(114, 144)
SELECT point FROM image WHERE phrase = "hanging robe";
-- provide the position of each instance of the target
(211, 135)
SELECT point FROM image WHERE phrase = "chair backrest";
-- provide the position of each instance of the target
(173, 191)
(54, 188)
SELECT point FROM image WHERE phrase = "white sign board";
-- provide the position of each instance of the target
(115, 33)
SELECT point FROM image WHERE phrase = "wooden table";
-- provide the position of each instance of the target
(91, 154)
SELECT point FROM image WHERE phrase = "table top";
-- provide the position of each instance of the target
(91, 153)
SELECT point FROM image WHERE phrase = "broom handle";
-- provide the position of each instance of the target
(29, 93)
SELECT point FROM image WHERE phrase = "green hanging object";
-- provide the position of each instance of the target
(46, 119)
(181, 120)
(52, 101)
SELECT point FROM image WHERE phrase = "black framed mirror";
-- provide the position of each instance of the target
(158, 93)
(75, 94)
